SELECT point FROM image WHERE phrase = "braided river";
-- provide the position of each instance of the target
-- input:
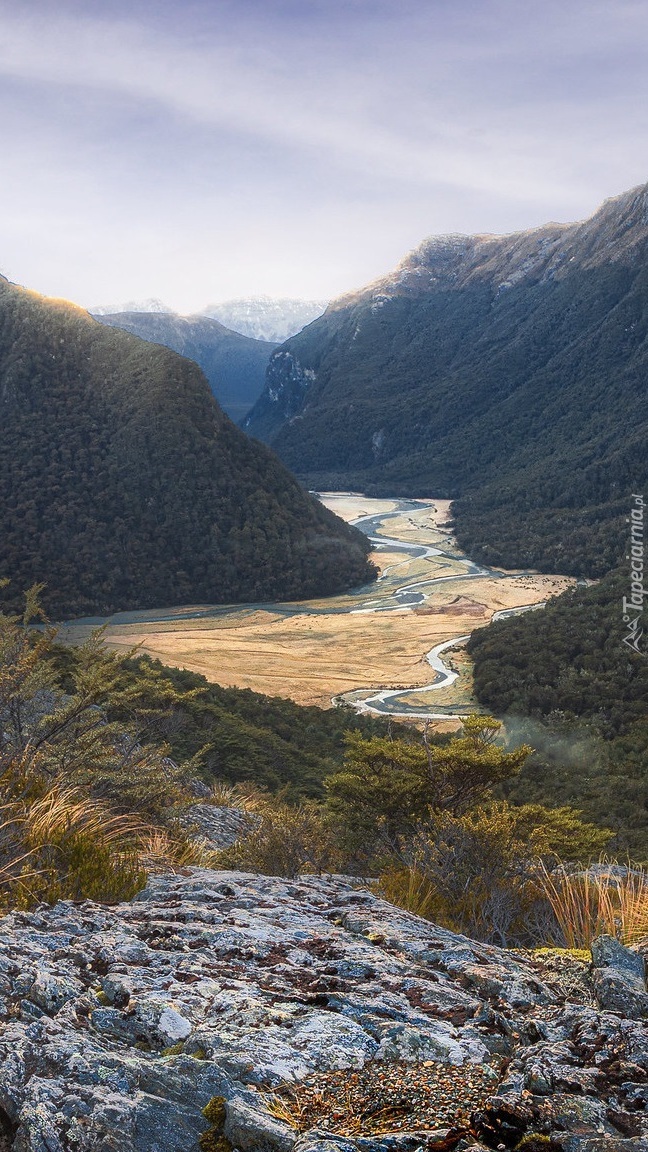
(393, 647)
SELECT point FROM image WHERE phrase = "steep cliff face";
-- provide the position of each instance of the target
(286, 385)
(498, 370)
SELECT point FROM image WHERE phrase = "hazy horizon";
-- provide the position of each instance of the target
(214, 150)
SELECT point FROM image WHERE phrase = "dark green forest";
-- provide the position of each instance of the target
(243, 736)
(526, 406)
(123, 485)
(568, 685)
(593, 756)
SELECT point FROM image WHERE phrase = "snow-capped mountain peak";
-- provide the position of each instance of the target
(265, 318)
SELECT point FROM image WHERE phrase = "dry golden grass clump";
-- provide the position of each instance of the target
(608, 898)
(67, 846)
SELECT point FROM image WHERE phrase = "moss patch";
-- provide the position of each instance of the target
(213, 1140)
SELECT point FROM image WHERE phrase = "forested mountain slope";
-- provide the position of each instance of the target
(123, 485)
(233, 364)
(585, 690)
(507, 372)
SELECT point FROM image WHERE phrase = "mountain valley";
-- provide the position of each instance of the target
(234, 364)
(499, 372)
(324, 813)
(321, 651)
(323, 594)
(265, 318)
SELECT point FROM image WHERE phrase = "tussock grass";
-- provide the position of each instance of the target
(65, 812)
(161, 852)
(247, 797)
(612, 899)
(66, 845)
(408, 888)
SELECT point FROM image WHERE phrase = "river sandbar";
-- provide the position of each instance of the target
(371, 639)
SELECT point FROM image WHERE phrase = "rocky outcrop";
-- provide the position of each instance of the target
(216, 826)
(167, 1024)
(287, 382)
(619, 978)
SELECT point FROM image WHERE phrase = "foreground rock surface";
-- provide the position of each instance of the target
(119, 1026)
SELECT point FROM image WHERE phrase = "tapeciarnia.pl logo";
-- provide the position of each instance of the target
(633, 605)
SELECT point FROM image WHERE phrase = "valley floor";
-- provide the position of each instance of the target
(376, 647)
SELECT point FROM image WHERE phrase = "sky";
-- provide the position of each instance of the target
(211, 149)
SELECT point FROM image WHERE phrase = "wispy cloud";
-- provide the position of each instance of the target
(472, 116)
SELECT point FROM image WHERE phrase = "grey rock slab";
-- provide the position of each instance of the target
(322, 1141)
(252, 1129)
(603, 1143)
(50, 991)
(619, 978)
(405, 1141)
(161, 1124)
(118, 1025)
(608, 952)
(219, 827)
(619, 993)
(316, 1141)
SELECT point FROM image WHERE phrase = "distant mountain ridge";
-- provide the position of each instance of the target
(266, 318)
(150, 305)
(234, 365)
(498, 370)
(124, 485)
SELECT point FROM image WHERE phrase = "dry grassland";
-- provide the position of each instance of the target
(313, 651)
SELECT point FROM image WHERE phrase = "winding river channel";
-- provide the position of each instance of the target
(400, 702)
(392, 647)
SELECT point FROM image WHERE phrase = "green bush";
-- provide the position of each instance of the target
(287, 841)
(480, 873)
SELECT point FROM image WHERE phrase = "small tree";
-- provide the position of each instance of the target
(388, 787)
(466, 770)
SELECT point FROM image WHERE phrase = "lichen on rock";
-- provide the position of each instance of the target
(120, 1026)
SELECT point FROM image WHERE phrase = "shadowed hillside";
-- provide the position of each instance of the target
(506, 372)
(123, 485)
(233, 364)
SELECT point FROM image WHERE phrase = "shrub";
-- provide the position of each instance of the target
(478, 873)
(287, 841)
(66, 846)
(247, 797)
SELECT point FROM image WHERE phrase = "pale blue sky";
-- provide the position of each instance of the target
(211, 149)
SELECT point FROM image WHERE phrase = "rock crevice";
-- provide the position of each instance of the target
(119, 1025)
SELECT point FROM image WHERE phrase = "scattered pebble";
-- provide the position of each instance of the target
(383, 1097)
